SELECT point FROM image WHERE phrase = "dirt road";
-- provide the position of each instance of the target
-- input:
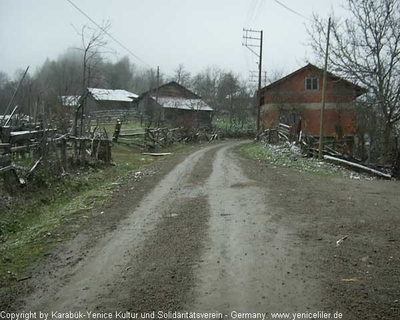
(220, 233)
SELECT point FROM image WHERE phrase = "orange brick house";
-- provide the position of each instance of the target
(296, 100)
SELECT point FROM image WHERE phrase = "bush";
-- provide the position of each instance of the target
(238, 131)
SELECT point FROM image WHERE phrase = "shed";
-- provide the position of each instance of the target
(175, 105)
(110, 100)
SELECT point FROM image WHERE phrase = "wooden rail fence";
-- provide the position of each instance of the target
(158, 137)
(46, 145)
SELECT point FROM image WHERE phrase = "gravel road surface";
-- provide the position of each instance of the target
(211, 232)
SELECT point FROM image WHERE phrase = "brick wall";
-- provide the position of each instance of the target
(340, 121)
(293, 90)
(290, 95)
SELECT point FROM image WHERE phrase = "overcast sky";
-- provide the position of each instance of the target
(162, 32)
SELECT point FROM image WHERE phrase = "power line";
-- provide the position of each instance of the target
(260, 9)
(251, 11)
(291, 10)
(250, 40)
(105, 31)
(247, 15)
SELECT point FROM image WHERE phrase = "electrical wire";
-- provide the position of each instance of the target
(105, 31)
(246, 19)
(291, 10)
(252, 8)
(260, 9)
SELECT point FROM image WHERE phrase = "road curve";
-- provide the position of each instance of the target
(202, 240)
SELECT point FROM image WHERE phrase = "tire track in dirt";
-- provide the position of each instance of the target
(146, 226)
(163, 271)
(162, 274)
(202, 172)
(248, 264)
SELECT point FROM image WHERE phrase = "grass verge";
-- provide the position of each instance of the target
(289, 157)
(51, 209)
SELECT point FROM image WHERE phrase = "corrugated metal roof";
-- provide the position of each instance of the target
(70, 101)
(182, 103)
(112, 95)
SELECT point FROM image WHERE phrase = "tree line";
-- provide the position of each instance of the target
(364, 48)
(70, 74)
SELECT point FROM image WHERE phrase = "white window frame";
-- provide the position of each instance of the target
(312, 82)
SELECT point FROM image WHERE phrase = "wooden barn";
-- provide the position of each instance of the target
(175, 105)
(110, 100)
(103, 100)
(296, 100)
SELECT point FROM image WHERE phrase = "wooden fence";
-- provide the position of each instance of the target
(158, 137)
(45, 145)
(310, 145)
(282, 132)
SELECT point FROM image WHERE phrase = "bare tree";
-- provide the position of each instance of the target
(275, 74)
(366, 49)
(206, 84)
(182, 76)
(229, 90)
(93, 46)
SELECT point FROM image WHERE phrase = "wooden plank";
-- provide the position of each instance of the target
(83, 139)
(284, 125)
(131, 135)
(359, 166)
(16, 136)
(157, 154)
(6, 169)
(24, 148)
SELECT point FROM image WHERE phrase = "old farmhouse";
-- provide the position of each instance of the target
(296, 100)
(101, 100)
(175, 105)
(108, 99)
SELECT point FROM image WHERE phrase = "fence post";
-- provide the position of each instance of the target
(64, 153)
(117, 130)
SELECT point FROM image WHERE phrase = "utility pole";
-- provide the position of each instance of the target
(158, 84)
(250, 42)
(321, 125)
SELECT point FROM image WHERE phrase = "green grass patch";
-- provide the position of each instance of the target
(284, 156)
(50, 209)
(234, 129)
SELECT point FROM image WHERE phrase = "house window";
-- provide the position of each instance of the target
(292, 118)
(312, 83)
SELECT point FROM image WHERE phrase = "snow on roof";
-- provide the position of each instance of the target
(112, 95)
(70, 101)
(182, 103)
(16, 116)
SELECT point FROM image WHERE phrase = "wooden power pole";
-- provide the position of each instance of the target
(158, 82)
(248, 42)
(158, 114)
(321, 125)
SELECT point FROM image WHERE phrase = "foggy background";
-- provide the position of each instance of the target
(196, 34)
